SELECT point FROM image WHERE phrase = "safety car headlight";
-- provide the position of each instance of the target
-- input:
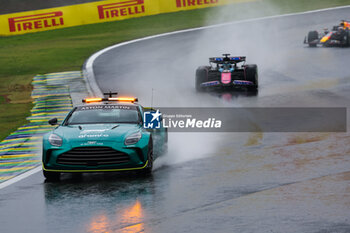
(55, 140)
(133, 138)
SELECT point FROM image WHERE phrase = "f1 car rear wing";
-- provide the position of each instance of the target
(232, 60)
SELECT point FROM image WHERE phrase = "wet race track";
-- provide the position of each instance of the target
(223, 182)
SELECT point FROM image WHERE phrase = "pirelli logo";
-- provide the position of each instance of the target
(114, 10)
(185, 3)
(38, 21)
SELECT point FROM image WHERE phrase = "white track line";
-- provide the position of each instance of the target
(94, 89)
(20, 177)
(88, 70)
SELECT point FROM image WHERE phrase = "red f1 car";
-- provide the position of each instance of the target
(339, 36)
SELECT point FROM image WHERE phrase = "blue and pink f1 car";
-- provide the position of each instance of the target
(226, 73)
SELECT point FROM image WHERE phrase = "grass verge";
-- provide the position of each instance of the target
(24, 56)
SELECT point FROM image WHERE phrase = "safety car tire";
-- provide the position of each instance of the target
(51, 176)
(148, 169)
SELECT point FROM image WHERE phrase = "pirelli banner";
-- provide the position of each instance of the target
(96, 12)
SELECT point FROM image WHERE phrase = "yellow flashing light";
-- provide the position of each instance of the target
(90, 100)
(123, 99)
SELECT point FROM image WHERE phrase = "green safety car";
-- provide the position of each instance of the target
(102, 135)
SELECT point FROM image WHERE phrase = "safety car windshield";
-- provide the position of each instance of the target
(103, 114)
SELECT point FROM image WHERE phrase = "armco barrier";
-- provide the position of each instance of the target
(96, 12)
(20, 151)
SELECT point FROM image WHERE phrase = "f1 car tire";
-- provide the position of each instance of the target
(201, 76)
(312, 36)
(252, 75)
(51, 176)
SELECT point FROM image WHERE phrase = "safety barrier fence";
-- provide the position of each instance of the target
(96, 12)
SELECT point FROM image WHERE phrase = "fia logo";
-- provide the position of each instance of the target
(152, 120)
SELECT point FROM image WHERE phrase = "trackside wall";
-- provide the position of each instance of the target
(96, 12)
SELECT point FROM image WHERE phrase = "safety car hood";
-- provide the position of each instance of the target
(96, 132)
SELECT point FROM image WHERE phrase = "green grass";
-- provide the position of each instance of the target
(12, 116)
(24, 56)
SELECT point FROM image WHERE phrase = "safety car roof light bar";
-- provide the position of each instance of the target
(118, 99)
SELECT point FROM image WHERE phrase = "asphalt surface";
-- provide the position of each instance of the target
(228, 182)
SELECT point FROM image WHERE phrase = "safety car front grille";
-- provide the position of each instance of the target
(93, 156)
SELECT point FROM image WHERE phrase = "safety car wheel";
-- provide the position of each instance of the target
(51, 176)
(148, 170)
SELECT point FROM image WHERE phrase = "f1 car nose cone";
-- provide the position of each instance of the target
(226, 77)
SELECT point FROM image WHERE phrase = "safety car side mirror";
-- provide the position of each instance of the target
(53, 121)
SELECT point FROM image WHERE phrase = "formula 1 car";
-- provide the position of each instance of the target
(105, 134)
(338, 36)
(226, 73)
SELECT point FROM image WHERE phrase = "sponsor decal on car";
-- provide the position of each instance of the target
(208, 84)
(242, 82)
(100, 135)
(92, 130)
(120, 9)
(37, 21)
(93, 133)
(106, 107)
(226, 77)
(92, 143)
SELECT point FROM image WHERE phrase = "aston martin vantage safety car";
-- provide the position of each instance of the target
(104, 134)
(338, 36)
(227, 73)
